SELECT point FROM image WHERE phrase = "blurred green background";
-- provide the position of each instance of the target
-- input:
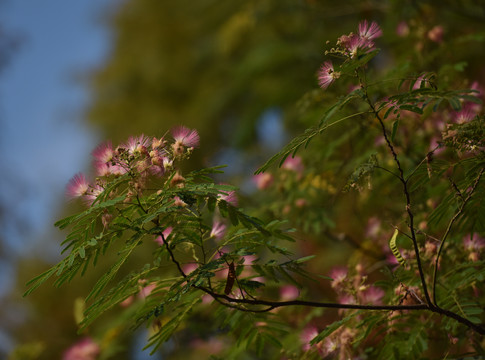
(237, 71)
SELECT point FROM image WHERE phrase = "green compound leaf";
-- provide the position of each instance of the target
(333, 327)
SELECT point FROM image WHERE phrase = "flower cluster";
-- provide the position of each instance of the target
(140, 157)
(85, 349)
(473, 245)
(349, 47)
(352, 288)
(354, 44)
(338, 345)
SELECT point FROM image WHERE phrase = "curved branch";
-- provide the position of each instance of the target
(229, 301)
(448, 230)
(408, 199)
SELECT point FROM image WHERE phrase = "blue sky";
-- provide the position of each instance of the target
(43, 139)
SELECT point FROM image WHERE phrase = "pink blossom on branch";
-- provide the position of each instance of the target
(218, 230)
(473, 242)
(402, 29)
(263, 180)
(146, 290)
(307, 335)
(346, 299)
(189, 267)
(327, 75)
(369, 32)
(372, 295)
(77, 186)
(185, 136)
(158, 160)
(92, 194)
(420, 82)
(137, 144)
(436, 34)
(294, 163)
(358, 44)
(289, 292)
(353, 44)
(466, 114)
(339, 275)
(86, 349)
(103, 153)
(178, 202)
(230, 197)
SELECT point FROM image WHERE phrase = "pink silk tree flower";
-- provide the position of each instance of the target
(189, 267)
(402, 29)
(103, 153)
(436, 34)
(293, 164)
(230, 197)
(372, 295)
(338, 274)
(465, 115)
(263, 180)
(185, 136)
(146, 290)
(307, 335)
(137, 144)
(158, 143)
(473, 242)
(166, 233)
(158, 160)
(420, 81)
(92, 194)
(358, 45)
(86, 349)
(346, 299)
(369, 32)
(289, 292)
(178, 202)
(102, 169)
(77, 186)
(327, 75)
(218, 230)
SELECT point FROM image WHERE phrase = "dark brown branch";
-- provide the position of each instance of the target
(234, 303)
(229, 301)
(408, 200)
(277, 304)
(172, 256)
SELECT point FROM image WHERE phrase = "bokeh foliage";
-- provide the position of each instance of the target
(218, 66)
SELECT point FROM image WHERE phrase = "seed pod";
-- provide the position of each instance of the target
(231, 277)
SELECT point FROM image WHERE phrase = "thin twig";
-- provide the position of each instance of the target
(229, 301)
(389, 171)
(448, 230)
(172, 256)
(408, 199)
(421, 163)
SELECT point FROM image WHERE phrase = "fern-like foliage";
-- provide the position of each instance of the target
(208, 256)
(178, 213)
